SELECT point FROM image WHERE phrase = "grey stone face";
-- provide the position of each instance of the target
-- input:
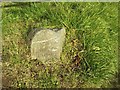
(46, 45)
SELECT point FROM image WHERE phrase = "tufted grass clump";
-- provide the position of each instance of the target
(89, 56)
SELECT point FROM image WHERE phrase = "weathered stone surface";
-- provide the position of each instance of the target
(46, 45)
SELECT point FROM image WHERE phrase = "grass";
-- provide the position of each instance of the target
(89, 57)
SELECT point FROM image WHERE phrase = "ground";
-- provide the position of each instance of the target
(89, 56)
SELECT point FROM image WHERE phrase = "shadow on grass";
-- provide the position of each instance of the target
(116, 81)
(20, 4)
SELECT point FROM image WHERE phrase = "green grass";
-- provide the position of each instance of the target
(89, 57)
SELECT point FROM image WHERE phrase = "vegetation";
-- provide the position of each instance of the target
(89, 57)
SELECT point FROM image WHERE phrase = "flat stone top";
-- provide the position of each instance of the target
(44, 36)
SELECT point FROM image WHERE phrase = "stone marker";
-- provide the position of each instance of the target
(46, 45)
